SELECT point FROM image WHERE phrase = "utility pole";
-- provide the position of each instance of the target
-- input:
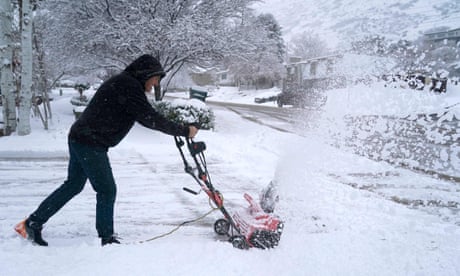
(6, 62)
(25, 95)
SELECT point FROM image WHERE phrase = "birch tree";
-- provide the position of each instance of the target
(25, 94)
(6, 62)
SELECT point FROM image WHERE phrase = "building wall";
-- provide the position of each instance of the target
(453, 34)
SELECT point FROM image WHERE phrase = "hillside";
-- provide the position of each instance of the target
(340, 21)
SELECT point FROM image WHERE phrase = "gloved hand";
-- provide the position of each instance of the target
(193, 130)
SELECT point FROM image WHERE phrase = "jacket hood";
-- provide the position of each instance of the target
(145, 67)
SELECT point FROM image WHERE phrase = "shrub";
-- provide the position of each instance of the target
(186, 112)
(80, 100)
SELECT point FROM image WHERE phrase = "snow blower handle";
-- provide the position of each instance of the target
(195, 147)
(190, 191)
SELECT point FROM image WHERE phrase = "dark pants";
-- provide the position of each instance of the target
(86, 162)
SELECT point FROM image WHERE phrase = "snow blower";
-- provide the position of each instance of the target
(253, 226)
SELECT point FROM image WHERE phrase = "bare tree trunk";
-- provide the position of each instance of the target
(42, 85)
(6, 73)
(25, 95)
(171, 76)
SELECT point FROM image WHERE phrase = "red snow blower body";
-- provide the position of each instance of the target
(252, 226)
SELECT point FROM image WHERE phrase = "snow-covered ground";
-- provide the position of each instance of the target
(330, 228)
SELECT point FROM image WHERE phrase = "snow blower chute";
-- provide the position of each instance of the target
(253, 226)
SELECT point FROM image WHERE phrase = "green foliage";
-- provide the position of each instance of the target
(186, 112)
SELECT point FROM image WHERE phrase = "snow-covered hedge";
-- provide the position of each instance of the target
(186, 111)
(80, 100)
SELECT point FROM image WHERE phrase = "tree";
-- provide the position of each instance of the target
(307, 45)
(25, 94)
(259, 61)
(108, 34)
(273, 35)
(374, 45)
(6, 74)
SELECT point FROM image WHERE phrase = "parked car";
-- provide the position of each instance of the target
(301, 98)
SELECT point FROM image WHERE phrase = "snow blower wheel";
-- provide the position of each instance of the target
(239, 242)
(221, 226)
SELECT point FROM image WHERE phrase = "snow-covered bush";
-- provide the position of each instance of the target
(80, 100)
(186, 111)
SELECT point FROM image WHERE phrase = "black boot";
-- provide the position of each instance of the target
(109, 240)
(34, 232)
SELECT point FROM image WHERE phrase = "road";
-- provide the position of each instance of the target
(281, 119)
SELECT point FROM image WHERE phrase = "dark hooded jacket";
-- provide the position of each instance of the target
(118, 104)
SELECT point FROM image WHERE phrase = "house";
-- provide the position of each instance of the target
(453, 35)
(212, 76)
(337, 70)
(224, 77)
(311, 73)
